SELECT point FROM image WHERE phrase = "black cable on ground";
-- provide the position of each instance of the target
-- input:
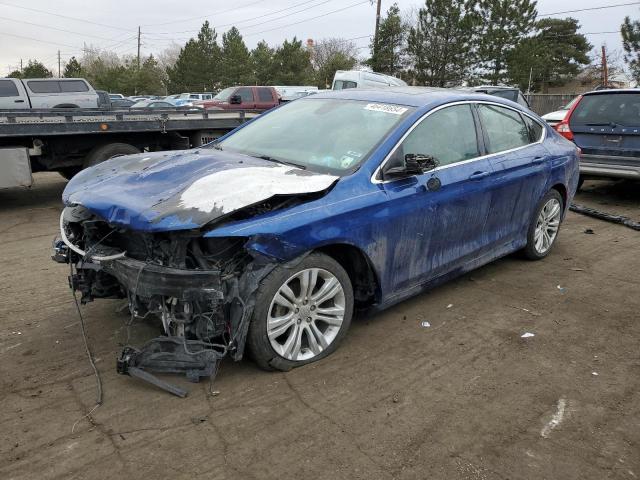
(609, 217)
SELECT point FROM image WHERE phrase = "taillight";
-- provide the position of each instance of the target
(563, 129)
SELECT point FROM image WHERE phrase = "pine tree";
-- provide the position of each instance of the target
(262, 64)
(387, 52)
(236, 60)
(72, 69)
(35, 69)
(504, 23)
(630, 31)
(292, 65)
(197, 67)
(552, 57)
(440, 46)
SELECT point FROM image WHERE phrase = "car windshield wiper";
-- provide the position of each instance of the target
(604, 124)
(283, 162)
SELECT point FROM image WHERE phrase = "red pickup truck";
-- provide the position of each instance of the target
(244, 98)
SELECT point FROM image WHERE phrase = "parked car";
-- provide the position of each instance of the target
(344, 79)
(47, 93)
(201, 96)
(116, 96)
(122, 103)
(152, 104)
(244, 98)
(288, 93)
(605, 124)
(510, 93)
(554, 118)
(278, 230)
(185, 102)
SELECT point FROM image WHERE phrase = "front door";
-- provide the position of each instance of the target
(439, 217)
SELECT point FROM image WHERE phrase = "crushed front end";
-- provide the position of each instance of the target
(200, 289)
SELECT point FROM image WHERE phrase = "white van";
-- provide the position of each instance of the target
(363, 79)
(291, 92)
(47, 93)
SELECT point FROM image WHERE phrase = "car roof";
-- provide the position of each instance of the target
(613, 90)
(410, 96)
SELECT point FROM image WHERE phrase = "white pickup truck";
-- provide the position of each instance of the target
(34, 93)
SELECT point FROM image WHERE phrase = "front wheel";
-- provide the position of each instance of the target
(545, 226)
(301, 313)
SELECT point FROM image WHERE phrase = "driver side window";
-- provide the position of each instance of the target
(448, 135)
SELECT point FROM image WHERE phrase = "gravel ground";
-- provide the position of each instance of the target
(466, 398)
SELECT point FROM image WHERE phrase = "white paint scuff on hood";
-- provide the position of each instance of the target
(230, 190)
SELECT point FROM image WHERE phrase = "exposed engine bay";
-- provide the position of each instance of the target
(201, 289)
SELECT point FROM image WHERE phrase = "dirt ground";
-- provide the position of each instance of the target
(466, 398)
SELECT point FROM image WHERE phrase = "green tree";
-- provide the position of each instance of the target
(503, 24)
(388, 51)
(262, 64)
(72, 69)
(198, 64)
(332, 54)
(149, 80)
(440, 45)
(292, 65)
(553, 56)
(236, 60)
(630, 31)
(33, 69)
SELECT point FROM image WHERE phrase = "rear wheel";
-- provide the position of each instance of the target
(544, 226)
(105, 152)
(301, 313)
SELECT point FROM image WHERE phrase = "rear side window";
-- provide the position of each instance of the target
(41, 86)
(535, 129)
(508, 94)
(8, 89)
(264, 95)
(504, 127)
(603, 109)
(73, 86)
(245, 94)
(342, 84)
(448, 135)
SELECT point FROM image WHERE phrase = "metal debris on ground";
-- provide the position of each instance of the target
(527, 335)
(609, 217)
(425, 324)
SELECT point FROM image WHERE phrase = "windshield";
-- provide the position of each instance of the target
(225, 94)
(327, 135)
(343, 84)
(603, 109)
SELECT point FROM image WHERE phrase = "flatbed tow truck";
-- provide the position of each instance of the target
(68, 140)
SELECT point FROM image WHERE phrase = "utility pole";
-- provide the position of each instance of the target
(58, 63)
(529, 85)
(138, 48)
(605, 70)
(375, 38)
(20, 65)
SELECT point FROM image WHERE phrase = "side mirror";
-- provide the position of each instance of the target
(414, 164)
(235, 100)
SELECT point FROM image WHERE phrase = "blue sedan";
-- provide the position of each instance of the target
(272, 235)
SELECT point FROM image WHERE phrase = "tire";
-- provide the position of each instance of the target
(310, 349)
(105, 152)
(66, 105)
(537, 248)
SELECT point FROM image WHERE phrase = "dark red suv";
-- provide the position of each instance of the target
(244, 98)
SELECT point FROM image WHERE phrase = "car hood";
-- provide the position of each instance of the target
(181, 190)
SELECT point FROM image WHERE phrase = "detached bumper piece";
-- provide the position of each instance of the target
(169, 355)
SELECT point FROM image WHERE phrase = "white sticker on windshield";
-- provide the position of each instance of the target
(386, 108)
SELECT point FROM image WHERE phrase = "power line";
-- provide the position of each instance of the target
(83, 20)
(54, 28)
(203, 16)
(308, 19)
(589, 9)
(39, 40)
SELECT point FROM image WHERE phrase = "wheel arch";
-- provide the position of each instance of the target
(562, 190)
(363, 276)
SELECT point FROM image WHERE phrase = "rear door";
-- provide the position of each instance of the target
(606, 126)
(520, 165)
(264, 98)
(12, 94)
(248, 102)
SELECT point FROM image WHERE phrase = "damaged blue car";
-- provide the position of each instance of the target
(273, 235)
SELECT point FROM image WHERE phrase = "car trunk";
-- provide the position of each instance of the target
(606, 126)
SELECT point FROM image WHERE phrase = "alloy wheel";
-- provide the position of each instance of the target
(306, 314)
(547, 226)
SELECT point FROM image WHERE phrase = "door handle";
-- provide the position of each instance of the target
(538, 159)
(478, 175)
(18, 101)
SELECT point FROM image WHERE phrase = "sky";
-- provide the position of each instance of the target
(37, 29)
